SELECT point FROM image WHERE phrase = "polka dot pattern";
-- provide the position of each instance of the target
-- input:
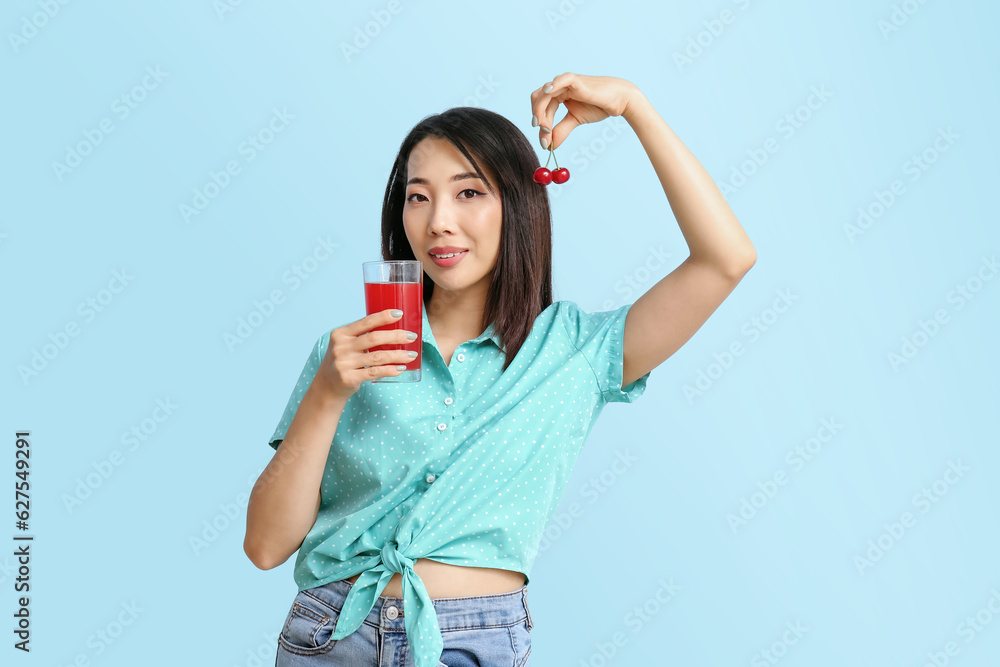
(464, 467)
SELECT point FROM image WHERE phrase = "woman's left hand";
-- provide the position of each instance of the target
(588, 99)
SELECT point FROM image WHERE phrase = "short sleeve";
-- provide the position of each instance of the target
(600, 337)
(301, 385)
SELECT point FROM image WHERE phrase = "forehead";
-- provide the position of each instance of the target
(435, 150)
(435, 158)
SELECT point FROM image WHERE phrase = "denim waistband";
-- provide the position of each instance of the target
(474, 611)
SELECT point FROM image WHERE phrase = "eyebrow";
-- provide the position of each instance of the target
(457, 177)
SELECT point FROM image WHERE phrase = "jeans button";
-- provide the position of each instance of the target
(391, 612)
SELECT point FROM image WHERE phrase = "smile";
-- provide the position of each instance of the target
(448, 259)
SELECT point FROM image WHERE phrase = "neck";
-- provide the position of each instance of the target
(456, 315)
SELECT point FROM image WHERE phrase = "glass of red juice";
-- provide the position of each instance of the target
(398, 284)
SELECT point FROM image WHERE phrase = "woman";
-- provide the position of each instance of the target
(417, 509)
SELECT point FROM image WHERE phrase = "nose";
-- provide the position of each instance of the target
(440, 220)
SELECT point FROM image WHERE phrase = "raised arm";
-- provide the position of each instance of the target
(671, 311)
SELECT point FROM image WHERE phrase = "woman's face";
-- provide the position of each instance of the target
(439, 211)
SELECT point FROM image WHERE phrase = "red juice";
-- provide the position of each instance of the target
(408, 297)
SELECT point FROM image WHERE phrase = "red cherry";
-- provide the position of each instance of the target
(542, 176)
(560, 175)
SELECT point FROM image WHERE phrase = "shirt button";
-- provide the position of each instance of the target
(461, 357)
(430, 479)
(391, 612)
(442, 427)
(448, 401)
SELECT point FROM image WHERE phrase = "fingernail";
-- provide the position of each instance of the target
(547, 89)
(545, 143)
(412, 354)
(410, 335)
(396, 313)
(545, 129)
(534, 120)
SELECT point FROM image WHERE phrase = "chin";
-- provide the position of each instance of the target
(454, 281)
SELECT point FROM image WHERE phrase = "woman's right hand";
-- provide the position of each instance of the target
(348, 362)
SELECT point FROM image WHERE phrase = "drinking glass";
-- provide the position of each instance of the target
(398, 284)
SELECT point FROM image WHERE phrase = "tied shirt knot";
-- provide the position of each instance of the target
(419, 618)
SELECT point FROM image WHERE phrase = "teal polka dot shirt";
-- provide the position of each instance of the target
(465, 466)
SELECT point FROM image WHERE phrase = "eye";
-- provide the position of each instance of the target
(475, 193)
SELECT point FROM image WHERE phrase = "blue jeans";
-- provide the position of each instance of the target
(481, 630)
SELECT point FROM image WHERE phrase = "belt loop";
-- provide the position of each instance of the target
(527, 611)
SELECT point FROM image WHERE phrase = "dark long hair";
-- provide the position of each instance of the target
(521, 280)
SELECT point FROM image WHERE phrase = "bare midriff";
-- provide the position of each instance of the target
(444, 580)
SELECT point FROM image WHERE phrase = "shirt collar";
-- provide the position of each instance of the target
(489, 334)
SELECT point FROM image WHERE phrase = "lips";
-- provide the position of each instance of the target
(448, 261)
(446, 249)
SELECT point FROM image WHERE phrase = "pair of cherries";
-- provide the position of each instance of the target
(543, 176)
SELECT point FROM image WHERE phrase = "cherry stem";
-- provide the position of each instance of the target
(553, 152)
(550, 157)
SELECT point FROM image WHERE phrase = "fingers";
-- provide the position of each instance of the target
(349, 360)
(544, 102)
(543, 109)
(384, 359)
(369, 322)
(547, 120)
(385, 337)
(562, 129)
(551, 137)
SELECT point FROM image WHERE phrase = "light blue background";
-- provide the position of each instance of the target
(695, 457)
